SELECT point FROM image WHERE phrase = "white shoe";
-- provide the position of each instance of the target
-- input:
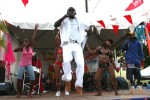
(66, 93)
(139, 88)
(58, 94)
(44, 91)
(33, 93)
(132, 90)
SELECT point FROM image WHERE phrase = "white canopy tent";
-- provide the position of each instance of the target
(46, 12)
(145, 72)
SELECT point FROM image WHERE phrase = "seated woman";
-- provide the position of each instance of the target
(106, 62)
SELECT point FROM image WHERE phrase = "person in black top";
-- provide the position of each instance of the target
(106, 62)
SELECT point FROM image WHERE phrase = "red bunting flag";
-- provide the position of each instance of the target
(147, 39)
(102, 23)
(115, 27)
(25, 2)
(129, 19)
(148, 27)
(134, 4)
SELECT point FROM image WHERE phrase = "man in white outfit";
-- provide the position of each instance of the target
(70, 31)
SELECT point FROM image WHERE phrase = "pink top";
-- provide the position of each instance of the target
(26, 57)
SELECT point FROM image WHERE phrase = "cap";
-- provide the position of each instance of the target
(131, 33)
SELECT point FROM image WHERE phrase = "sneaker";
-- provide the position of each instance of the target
(132, 89)
(67, 87)
(58, 94)
(79, 90)
(66, 93)
(33, 92)
(44, 91)
(139, 88)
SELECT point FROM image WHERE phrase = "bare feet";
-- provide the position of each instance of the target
(30, 96)
(98, 94)
(79, 90)
(116, 94)
(18, 96)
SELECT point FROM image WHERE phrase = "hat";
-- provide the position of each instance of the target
(131, 33)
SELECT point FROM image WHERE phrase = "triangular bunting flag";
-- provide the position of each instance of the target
(134, 4)
(102, 23)
(25, 2)
(115, 27)
(129, 19)
(148, 27)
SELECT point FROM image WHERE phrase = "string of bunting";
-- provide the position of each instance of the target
(133, 5)
(128, 18)
(25, 2)
(116, 27)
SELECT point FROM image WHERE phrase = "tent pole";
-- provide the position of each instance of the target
(86, 6)
(115, 54)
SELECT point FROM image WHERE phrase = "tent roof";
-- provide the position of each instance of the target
(46, 12)
(45, 38)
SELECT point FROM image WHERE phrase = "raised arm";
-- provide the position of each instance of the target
(57, 42)
(58, 22)
(34, 34)
(91, 29)
(57, 39)
(92, 52)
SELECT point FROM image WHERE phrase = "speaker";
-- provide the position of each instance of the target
(2, 74)
(5, 88)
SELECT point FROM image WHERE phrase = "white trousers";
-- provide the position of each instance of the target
(70, 51)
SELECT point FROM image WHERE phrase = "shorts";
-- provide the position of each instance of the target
(133, 71)
(104, 66)
(58, 64)
(29, 69)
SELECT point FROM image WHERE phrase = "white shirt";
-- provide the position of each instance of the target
(71, 30)
(74, 32)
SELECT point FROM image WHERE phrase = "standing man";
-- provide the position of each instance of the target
(134, 55)
(70, 32)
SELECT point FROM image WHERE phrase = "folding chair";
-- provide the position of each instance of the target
(26, 82)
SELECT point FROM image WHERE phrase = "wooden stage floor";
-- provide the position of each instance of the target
(124, 95)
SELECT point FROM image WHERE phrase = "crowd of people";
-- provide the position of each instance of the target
(69, 49)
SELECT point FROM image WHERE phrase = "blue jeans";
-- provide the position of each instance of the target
(29, 70)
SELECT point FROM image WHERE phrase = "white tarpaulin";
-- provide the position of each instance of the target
(46, 12)
(145, 72)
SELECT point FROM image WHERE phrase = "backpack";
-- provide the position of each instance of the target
(122, 83)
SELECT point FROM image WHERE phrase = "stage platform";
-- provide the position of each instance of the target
(124, 95)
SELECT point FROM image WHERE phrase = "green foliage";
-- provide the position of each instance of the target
(3, 43)
(3, 27)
